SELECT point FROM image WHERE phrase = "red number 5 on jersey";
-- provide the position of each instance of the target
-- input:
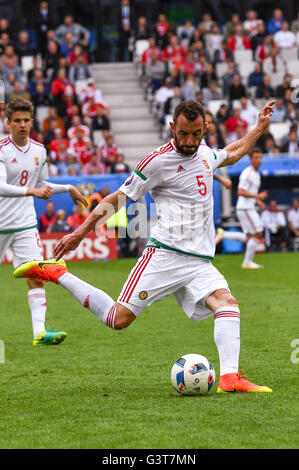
(202, 186)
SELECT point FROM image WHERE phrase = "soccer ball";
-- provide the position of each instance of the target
(193, 374)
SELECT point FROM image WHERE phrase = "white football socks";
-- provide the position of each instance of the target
(250, 250)
(227, 338)
(97, 301)
(38, 306)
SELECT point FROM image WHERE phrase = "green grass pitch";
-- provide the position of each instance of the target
(111, 389)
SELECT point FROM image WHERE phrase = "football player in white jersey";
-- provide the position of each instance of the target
(23, 173)
(249, 196)
(177, 258)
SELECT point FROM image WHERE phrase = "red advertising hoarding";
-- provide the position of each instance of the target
(101, 246)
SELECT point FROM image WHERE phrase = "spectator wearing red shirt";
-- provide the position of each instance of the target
(232, 122)
(239, 41)
(108, 151)
(74, 54)
(161, 30)
(174, 50)
(61, 87)
(90, 108)
(55, 143)
(79, 145)
(147, 54)
(76, 125)
(77, 218)
(47, 219)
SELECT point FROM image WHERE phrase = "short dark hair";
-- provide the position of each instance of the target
(255, 150)
(191, 109)
(19, 104)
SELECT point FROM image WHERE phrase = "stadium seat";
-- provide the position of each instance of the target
(214, 105)
(293, 67)
(26, 63)
(221, 68)
(289, 54)
(42, 113)
(140, 46)
(80, 85)
(276, 79)
(97, 136)
(279, 130)
(243, 56)
(245, 69)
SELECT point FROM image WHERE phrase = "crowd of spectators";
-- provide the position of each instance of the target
(72, 121)
(233, 69)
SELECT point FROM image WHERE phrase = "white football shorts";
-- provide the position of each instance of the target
(26, 246)
(159, 273)
(250, 221)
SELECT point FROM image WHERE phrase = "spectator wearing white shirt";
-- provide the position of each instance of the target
(250, 26)
(279, 111)
(248, 112)
(285, 38)
(275, 226)
(166, 91)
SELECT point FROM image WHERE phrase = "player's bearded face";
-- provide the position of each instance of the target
(188, 134)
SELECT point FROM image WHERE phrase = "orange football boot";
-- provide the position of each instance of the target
(47, 270)
(235, 382)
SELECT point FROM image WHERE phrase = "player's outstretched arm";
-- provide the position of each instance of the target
(101, 213)
(241, 147)
(227, 183)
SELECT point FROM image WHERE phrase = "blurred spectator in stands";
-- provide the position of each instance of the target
(38, 79)
(4, 41)
(78, 144)
(41, 96)
(214, 134)
(284, 38)
(52, 115)
(264, 49)
(190, 88)
(60, 87)
(78, 217)
(256, 77)
(60, 153)
(9, 86)
(108, 151)
(238, 41)
(52, 169)
(76, 126)
(292, 145)
(75, 53)
(5, 27)
(270, 146)
(80, 34)
(227, 79)
(232, 122)
(50, 134)
(35, 66)
(91, 90)
(55, 144)
(69, 167)
(276, 21)
(19, 92)
(147, 54)
(236, 90)
(275, 227)
(48, 218)
(173, 101)
(213, 92)
(161, 31)
(9, 63)
(201, 65)
(185, 33)
(61, 224)
(279, 112)
(155, 72)
(94, 166)
(207, 77)
(80, 70)
(265, 90)
(100, 121)
(259, 37)
(24, 47)
(286, 85)
(125, 26)
(164, 92)
(293, 218)
(70, 112)
(4, 129)
(198, 49)
(248, 112)
(43, 21)
(89, 109)
(174, 52)
(213, 39)
(142, 30)
(250, 26)
(51, 56)
(189, 65)
(119, 166)
(67, 45)
(223, 54)
(230, 26)
(261, 142)
(222, 114)
(291, 115)
(205, 24)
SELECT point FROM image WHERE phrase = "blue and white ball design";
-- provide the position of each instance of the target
(193, 374)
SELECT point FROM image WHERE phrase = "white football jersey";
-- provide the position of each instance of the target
(250, 180)
(182, 188)
(23, 167)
